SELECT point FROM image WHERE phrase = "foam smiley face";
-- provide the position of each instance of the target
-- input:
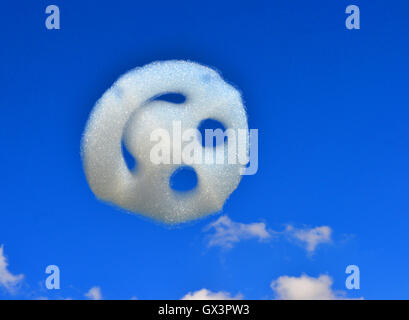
(128, 112)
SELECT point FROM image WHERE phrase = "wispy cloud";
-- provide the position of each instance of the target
(310, 237)
(305, 288)
(205, 294)
(7, 280)
(227, 232)
(94, 293)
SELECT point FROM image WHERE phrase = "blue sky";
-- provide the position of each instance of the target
(331, 107)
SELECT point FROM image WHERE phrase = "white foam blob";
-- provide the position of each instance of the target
(126, 111)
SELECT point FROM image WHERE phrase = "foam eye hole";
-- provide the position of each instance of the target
(183, 179)
(130, 160)
(210, 138)
(173, 97)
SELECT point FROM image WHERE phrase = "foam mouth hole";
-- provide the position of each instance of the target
(172, 97)
(208, 136)
(130, 160)
(183, 179)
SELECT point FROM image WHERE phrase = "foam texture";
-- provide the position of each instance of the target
(128, 112)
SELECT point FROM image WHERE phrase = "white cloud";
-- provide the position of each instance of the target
(228, 232)
(312, 237)
(285, 288)
(7, 279)
(46, 298)
(205, 294)
(305, 288)
(94, 293)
